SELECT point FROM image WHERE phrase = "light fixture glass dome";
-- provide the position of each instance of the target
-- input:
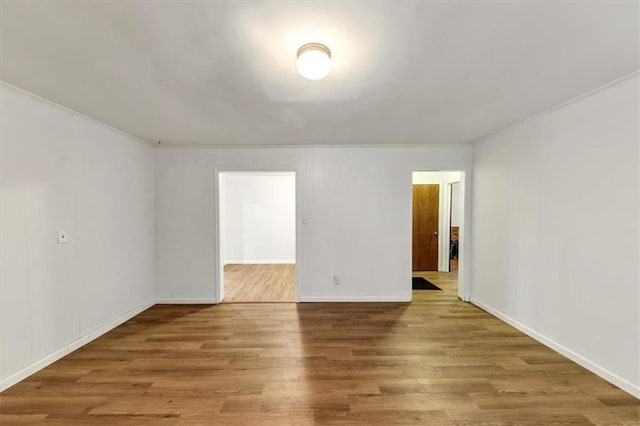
(314, 61)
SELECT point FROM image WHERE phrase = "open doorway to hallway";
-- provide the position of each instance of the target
(436, 231)
(257, 236)
(455, 221)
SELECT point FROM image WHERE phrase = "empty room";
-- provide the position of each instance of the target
(319, 212)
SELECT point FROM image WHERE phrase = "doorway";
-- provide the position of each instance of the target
(256, 236)
(437, 205)
(455, 221)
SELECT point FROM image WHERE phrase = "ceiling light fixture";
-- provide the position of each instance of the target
(314, 61)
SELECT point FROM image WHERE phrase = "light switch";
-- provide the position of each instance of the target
(62, 236)
(305, 220)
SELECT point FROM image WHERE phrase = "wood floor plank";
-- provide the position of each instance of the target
(22, 419)
(36, 404)
(434, 361)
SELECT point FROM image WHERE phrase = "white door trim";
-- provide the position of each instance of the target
(444, 225)
(464, 237)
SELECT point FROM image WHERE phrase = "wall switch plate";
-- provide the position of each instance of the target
(336, 280)
(62, 236)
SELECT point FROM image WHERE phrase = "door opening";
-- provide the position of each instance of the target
(436, 231)
(256, 236)
(454, 230)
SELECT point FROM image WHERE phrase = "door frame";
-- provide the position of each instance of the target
(444, 264)
(464, 237)
(218, 267)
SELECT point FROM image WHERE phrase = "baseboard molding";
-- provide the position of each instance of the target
(260, 262)
(186, 301)
(622, 383)
(355, 299)
(83, 340)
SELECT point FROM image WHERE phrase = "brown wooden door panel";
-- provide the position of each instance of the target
(426, 199)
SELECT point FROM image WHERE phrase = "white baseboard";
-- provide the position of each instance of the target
(83, 340)
(260, 262)
(622, 383)
(186, 301)
(355, 298)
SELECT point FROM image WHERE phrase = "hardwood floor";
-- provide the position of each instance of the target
(436, 361)
(259, 283)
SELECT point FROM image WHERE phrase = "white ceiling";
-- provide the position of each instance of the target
(224, 73)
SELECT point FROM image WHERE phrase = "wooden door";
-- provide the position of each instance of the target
(426, 199)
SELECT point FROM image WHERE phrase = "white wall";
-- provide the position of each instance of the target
(59, 170)
(258, 217)
(357, 201)
(445, 209)
(555, 230)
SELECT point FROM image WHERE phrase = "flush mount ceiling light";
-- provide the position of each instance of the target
(314, 61)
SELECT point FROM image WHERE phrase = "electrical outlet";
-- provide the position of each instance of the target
(336, 280)
(62, 236)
